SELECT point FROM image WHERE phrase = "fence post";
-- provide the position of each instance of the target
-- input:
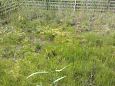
(47, 4)
(108, 6)
(0, 7)
(75, 5)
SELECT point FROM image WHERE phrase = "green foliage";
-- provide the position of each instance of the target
(86, 58)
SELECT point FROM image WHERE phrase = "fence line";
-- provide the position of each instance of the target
(97, 5)
(53, 5)
(8, 8)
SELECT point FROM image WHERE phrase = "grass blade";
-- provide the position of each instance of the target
(44, 72)
(57, 80)
(61, 69)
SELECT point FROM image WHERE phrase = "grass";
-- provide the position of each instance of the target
(71, 58)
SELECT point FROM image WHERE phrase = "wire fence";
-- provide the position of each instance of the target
(63, 11)
(97, 5)
(90, 5)
(76, 5)
(8, 8)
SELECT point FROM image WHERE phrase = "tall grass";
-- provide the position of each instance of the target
(76, 50)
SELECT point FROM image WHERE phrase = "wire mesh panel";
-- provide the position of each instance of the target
(33, 9)
(99, 5)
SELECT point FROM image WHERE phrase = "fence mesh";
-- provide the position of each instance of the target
(92, 12)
